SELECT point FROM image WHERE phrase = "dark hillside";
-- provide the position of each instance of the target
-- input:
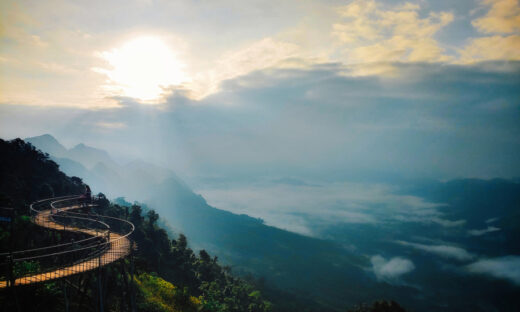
(28, 174)
(169, 276)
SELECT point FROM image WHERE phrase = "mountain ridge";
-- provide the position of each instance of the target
(98, 169)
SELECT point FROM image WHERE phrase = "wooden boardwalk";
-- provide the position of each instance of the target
(111, 248)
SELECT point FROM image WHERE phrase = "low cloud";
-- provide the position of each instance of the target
(503, 267)
(392, 269)
(491, 220)
(489, 229)
(448, 223)
(445, 251)
(300, 206)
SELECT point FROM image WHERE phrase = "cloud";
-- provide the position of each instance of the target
(262, 54)
(445, 251)
(492, 220)
(502, 17)
(502, 25)
(370, 33)
(392, 269)
(489, 229)
(507, 267)
(491, 48)
(52, 65)
(432, 121)
(448, 223)
(111, 125)
(303, 207)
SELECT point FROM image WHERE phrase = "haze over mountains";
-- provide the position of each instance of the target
(133, 180)
(420, 242)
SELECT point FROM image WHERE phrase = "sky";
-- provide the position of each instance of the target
(286, 88)
(302, 113)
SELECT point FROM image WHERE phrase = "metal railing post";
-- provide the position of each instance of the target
(100, 284)
(132, 296)
(10, 271)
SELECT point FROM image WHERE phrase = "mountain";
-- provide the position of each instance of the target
(90, 156)
(95, 166)
(71, 167)
(48, 144)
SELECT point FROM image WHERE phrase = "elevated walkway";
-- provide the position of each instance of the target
(107, 240)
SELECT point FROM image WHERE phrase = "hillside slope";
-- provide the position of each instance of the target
(170, 276)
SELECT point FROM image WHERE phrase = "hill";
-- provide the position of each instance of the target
(169, 275)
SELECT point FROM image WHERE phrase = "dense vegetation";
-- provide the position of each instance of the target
(169, 275)
(201, 283)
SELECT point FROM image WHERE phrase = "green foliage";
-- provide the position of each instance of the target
(156, 294)
(26, 268)
(234, 297)
(162, 262)
(200, 276)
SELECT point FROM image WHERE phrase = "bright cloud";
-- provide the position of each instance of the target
(392, 269)
(371, 33)
(492, 48)
(262, 54)
(501, 24)
(503, 267)
(502, 17)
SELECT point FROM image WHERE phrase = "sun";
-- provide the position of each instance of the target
(142, 68)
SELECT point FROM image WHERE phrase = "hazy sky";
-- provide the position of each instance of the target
(424, 88)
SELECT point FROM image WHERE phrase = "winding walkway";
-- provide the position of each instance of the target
(110, 246)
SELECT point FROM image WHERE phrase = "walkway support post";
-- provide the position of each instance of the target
(132, 295)
(66, 297)
(100, 284)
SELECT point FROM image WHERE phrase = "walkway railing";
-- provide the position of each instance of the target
(100, 240)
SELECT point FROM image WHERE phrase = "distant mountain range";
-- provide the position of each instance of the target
(133, 180)
(244, 242)
(328, 275)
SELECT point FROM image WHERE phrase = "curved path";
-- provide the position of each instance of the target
(103, 246)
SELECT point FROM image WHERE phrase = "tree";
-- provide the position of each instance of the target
(136, 215)
(152, 218)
